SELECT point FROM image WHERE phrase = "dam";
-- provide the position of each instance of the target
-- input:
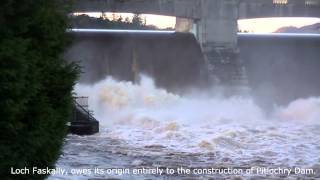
(176, 63)
(199, 102)
(172, 59)
(145, 121)
(281, 67)
(212, 101)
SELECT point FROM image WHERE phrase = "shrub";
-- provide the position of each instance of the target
(35, 84)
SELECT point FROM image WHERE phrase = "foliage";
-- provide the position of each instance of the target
(84, 21)
(137, 20)
(35, 84)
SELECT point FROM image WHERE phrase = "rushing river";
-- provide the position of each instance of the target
(143, 126)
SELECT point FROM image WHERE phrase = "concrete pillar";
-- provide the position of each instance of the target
(183, 25)
(217, 34)
(218, 23)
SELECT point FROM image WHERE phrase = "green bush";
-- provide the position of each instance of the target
(35, 84)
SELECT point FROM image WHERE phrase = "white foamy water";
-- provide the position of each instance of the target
(236, 128)
(144, 126)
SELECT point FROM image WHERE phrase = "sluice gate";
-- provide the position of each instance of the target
(279, 68)
(174, 60)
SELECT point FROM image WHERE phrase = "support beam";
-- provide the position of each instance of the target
(193, 9)
(217, 34)
(179, 8)
(184, 25)
(218, 23)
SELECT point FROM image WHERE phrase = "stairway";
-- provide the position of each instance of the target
(226, 68)
(83, 122)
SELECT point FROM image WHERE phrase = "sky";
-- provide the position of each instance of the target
(268, 25)
(157, 20)
(259, 25)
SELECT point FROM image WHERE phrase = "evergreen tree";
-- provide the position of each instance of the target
(137, 20)
(35, 84)
(120, 19)
(127, 20)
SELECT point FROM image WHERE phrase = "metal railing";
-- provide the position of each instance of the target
(82, 101)
(81, 106)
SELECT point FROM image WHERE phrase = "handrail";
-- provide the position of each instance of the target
(84, 111)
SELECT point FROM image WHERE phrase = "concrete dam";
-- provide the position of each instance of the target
(166, 126)
(279, 68)
(174, 60)
(210, 101)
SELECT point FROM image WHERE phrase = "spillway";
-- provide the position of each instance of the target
(281, 67)
(143, 125)
(174, 60)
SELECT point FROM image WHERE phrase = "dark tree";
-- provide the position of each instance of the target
(120, 19)
(35, 84)
(137, 20)
(85, 21)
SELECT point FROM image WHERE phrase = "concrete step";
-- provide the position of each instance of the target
(84, 127)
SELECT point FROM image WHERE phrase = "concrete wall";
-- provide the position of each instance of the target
(174, 60)
(179, 8)
(278, 8)
(216, 33)
(281, 68)
(193, 8)
(216, 19)
(218, 23)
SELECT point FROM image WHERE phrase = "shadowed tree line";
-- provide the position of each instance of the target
(102, 22)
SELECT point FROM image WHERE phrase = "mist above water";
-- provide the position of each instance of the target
(144, 115)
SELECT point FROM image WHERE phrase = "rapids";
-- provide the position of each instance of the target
(142, 125)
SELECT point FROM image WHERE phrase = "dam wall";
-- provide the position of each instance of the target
(281, 67)
(174, 60)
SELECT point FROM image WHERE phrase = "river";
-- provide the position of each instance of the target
(143, 126)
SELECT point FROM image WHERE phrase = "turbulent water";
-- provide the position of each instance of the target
(144, 126)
